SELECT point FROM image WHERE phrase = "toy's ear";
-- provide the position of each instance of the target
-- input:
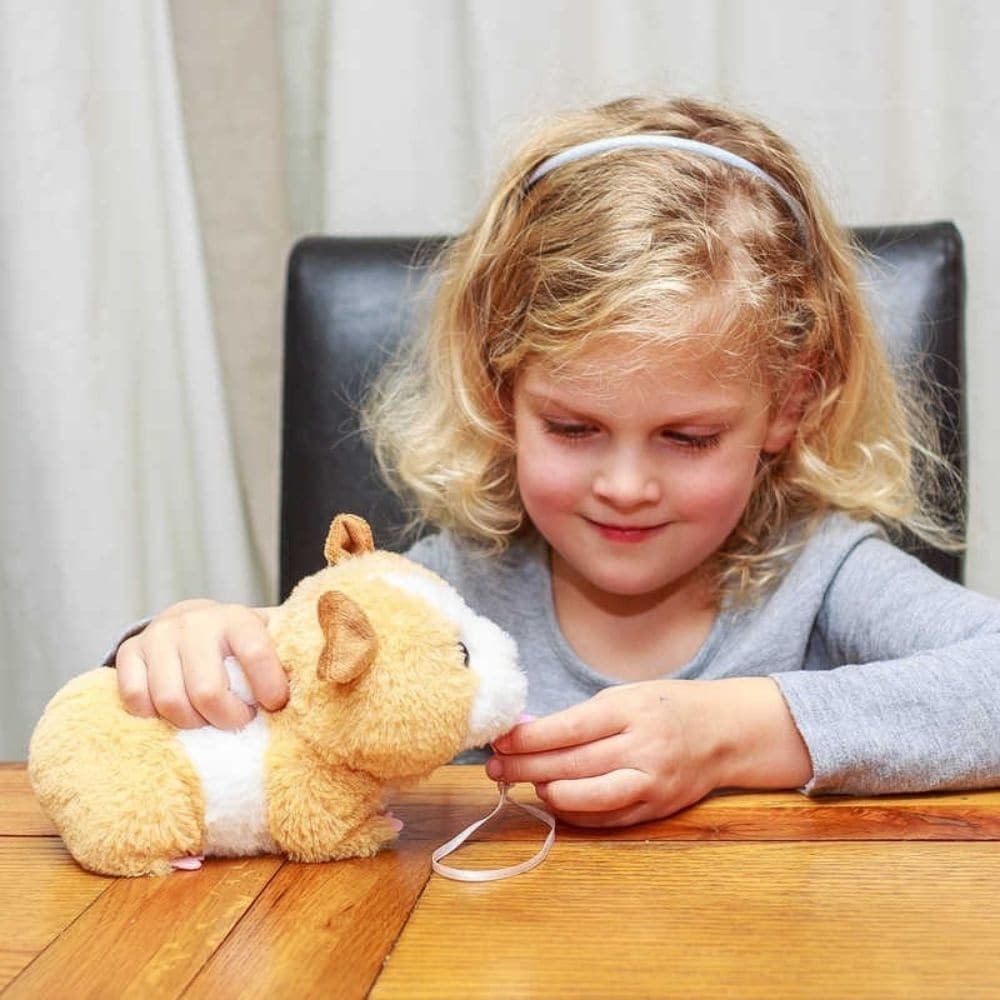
(351, 644)
(349, 535)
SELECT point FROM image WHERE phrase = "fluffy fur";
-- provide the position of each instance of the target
(390, 675)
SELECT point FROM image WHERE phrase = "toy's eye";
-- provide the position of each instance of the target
(465, 653)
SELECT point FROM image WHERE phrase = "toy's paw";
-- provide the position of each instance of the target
(190, 863)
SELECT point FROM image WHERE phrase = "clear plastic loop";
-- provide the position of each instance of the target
(491, 874)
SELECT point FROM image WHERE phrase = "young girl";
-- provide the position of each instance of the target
(652, 421)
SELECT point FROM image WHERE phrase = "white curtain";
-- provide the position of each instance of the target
(145, 217)
(120, 492)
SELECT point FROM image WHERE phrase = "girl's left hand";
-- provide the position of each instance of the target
(633, 752)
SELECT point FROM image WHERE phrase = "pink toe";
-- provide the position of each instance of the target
(189, 863)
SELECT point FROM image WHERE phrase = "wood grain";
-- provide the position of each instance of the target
(147, 936)
(42, 891)
(319, 930)
(701, 920)
(20, 813)
(453, 797)
(735, 896)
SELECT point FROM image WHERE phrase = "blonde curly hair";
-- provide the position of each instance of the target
(628, 247)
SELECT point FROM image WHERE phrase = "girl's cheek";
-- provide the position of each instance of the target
(550, 471)
(719, 487)
(551, 478)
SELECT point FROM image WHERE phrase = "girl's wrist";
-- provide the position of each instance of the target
(762, 747)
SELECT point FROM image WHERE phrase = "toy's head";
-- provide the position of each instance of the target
(390, 671)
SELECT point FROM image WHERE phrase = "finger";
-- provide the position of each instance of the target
(133, 686)
(248, 640)
(586, 760)
(583, 723)
(207, 686)
(183, 607)
(167, 689)
(629, 816)
(606, 793)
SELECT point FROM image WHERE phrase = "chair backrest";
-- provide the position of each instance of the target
(350, 300)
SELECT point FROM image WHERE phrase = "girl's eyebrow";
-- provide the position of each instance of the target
(721, 413)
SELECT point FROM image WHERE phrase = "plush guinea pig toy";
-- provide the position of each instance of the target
(390, 675)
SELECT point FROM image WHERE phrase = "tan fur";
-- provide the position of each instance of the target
(316, 813)
(402, 743)
(120, 790)
(379, 696)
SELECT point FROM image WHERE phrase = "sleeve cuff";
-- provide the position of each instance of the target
(134, 629)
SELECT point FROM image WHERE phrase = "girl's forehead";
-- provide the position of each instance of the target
(640, 379)
(612, 367)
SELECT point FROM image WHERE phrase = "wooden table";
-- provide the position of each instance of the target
(743, 895)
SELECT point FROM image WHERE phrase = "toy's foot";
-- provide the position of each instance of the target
(191, 862)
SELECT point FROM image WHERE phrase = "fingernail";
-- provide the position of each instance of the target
(525, 717)
(494, 768)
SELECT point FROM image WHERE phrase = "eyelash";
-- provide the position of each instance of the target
(573, 433)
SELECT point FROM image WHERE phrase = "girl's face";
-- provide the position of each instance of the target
(636, 481)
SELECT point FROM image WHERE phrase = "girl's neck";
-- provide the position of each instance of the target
(633, 637)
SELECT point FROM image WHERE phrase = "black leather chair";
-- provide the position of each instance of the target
(350, 300)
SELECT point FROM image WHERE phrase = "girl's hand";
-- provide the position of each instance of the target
(174, 669)
(638, 752)
(633, 752)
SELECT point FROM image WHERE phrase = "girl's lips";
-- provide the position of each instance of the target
(620, 533)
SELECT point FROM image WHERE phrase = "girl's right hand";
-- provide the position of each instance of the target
(174, 668)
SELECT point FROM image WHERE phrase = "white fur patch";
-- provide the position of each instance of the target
(238, 682)
(230, 764)
(500, 696)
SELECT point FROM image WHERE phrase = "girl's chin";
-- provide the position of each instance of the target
(630, 583)
(629, 587)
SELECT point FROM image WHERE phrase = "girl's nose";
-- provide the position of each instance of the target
(626, 481)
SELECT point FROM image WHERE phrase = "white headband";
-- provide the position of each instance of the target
(649, 141)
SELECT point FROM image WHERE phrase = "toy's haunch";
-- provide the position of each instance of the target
(390, 675)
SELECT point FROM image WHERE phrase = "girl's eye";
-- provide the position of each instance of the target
(567, 430)
(693, 442)
(570, 431)
(465, 653)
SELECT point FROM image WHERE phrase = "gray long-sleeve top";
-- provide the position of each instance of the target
(891, 673)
